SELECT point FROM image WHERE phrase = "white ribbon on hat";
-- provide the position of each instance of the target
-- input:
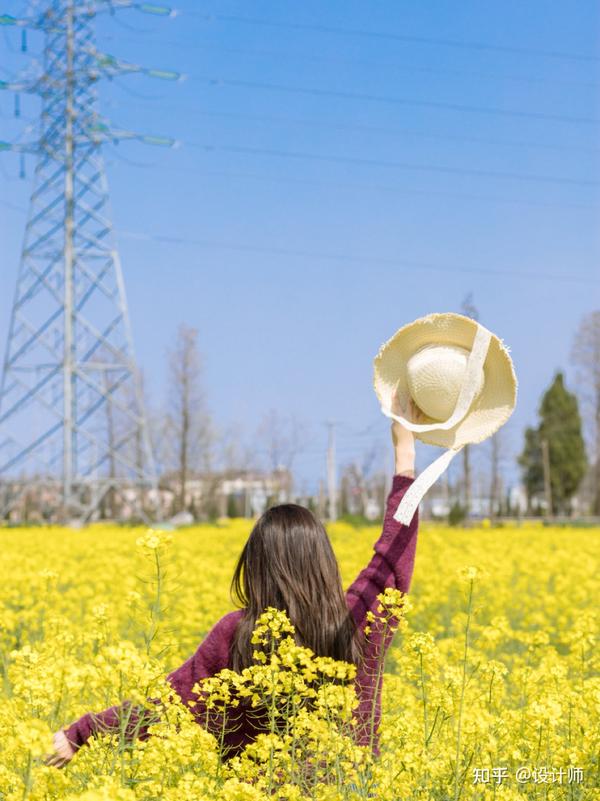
(412, 497)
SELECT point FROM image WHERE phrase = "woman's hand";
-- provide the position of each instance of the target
(403, 439)
(63, 751)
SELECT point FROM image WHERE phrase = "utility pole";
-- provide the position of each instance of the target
(547, 485)
(446, 488)
(331, 472)
(321, 501)
(469, 309)
(467, 477)
(494, 483)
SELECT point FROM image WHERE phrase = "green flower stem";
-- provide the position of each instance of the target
(462, 691)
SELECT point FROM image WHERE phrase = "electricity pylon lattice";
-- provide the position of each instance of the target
(71, 409)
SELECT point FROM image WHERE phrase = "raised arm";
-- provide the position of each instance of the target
(211, 656)
(393, 559)
(394, 552)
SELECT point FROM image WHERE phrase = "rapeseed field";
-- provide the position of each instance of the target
(491, 684)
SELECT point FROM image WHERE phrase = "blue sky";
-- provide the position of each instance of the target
(344, 168)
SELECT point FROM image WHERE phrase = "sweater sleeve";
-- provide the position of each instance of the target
(393, 560)
(211, 656)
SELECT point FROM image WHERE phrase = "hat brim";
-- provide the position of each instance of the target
(489, 410)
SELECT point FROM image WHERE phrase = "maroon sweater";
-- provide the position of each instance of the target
(390, 566)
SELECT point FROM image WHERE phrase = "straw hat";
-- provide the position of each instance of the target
(459, 375)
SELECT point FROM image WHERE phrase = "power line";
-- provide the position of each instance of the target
(383, 65)
(395, 188)
(346, 258)
(408, 166)
(363, 432)
(339, 185)
(165, 239)
(397, 37)
(135, 93)
(401, 165)
(408, 102)
(387, 131)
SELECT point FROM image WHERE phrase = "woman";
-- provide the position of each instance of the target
(288, 563)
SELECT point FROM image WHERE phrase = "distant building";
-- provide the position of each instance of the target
(239, 493)
(231, 493)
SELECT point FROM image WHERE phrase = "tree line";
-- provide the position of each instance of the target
(205, 470)
(559, 457)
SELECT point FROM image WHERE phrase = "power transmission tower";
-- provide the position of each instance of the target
(72, 420)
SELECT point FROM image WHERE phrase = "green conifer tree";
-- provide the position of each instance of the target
(530, 461)
(560, 426)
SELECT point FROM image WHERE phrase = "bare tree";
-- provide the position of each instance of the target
(188, 421)
(496, 454)
(360, 482)
(282, 438)
(353, 489)
(234, 454)
(585, 355)
(162, 440)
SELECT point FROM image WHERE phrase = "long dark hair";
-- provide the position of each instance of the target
(288, 563)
